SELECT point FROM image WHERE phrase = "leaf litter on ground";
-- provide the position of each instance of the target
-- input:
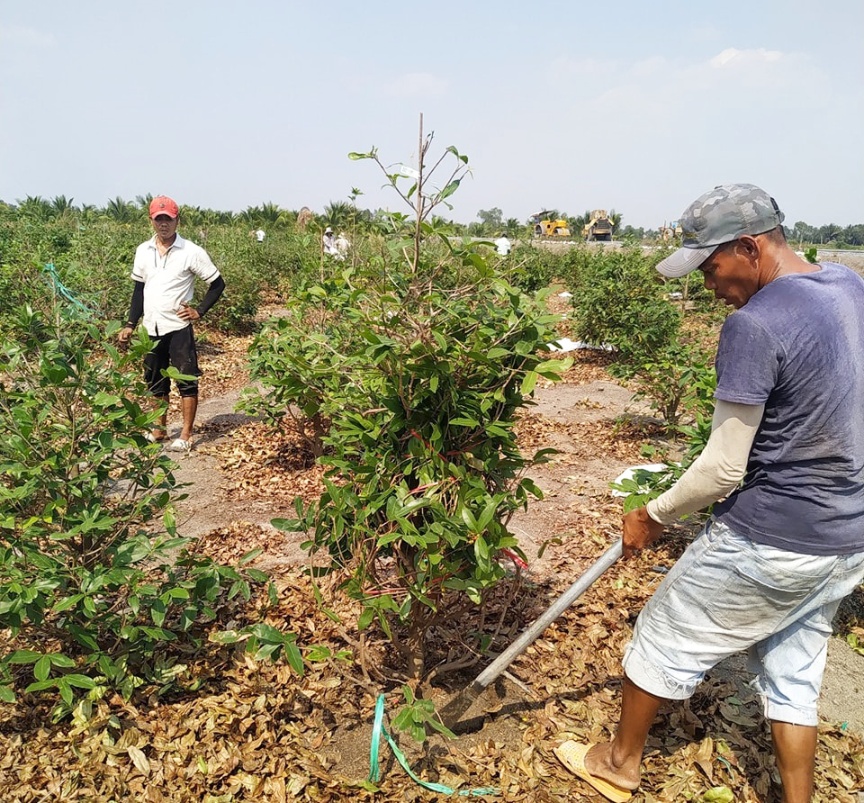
(248, 730)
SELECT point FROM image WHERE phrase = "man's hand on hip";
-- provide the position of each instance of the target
(188, 313)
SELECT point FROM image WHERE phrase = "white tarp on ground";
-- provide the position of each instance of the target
(566, 344)
(630, 474)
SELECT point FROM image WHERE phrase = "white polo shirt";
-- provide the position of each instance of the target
(169, 281)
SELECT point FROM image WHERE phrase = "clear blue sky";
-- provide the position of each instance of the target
(638, 106)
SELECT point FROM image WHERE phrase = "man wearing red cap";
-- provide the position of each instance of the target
(164, 274)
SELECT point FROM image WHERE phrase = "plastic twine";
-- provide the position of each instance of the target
(61, 289)
(378, 729)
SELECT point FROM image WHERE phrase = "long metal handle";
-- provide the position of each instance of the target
(545, 619)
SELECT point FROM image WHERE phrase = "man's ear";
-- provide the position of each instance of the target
(748, 247)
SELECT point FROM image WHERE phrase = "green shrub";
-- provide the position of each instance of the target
(423, 469)
(92, 590)
(531, 268)
(99, 265)
(619, 301)
(669, 379)
(308, 366)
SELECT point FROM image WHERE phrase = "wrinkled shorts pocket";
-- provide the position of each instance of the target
(764, 590)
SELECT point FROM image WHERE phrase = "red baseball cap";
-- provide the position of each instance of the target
(163, 205)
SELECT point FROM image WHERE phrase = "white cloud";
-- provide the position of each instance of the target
(417, 84)
(732, 57)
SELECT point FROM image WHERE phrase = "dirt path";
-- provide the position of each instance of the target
(567, 416)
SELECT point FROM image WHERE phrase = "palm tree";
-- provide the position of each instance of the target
(337, 214)
(89, 212)
(192, 215)
(271, 213)
(215, 217)
(512, 227)
(62, 206)
(121, 211)
(36, 207)
(250, 215)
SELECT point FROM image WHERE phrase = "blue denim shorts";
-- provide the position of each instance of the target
(728, 594)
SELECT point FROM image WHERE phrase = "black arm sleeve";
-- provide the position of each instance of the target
(214, 293)
(136, 308)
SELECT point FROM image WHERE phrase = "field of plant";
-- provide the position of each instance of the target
(386, 418)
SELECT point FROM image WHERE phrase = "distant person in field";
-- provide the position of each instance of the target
(342, 245)
(260, 235)
(502, 245)
(328, 243)
(784, 468)
(164, 273)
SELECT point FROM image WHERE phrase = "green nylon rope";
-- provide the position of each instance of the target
(378, 729)
(61, 289)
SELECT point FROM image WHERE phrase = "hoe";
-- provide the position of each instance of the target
(453, 711)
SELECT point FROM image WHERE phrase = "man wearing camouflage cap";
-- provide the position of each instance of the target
(786, 457)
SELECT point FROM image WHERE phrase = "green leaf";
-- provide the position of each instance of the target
(157, 612)
(718, 794)
(294, 658)
(465, 421)
(449, 189)
(67, 603)
(7, 695)
(289, 525)
(318, 653)
(228, 637)
(481, 550)
(267, 633)
(42, 668)
(24, 657)
(41, 685)
(80, 681)
(365, 618)
(251, 555)
(529, 381)
(65, 691)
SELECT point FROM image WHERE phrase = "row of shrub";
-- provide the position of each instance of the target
(403, 366)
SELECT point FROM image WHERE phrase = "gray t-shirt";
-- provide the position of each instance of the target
(797, 347)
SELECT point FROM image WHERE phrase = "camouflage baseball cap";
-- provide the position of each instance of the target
(719, 216)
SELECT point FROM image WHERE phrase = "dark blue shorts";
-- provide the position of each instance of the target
(178, 350)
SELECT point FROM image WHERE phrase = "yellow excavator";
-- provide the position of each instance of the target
(671, 232)
(544, 226)
(599, 227)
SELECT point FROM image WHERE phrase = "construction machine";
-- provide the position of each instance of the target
(544, 226)
(599, 227)
(672, 231)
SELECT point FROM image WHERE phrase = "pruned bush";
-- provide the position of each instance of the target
(421, 371)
